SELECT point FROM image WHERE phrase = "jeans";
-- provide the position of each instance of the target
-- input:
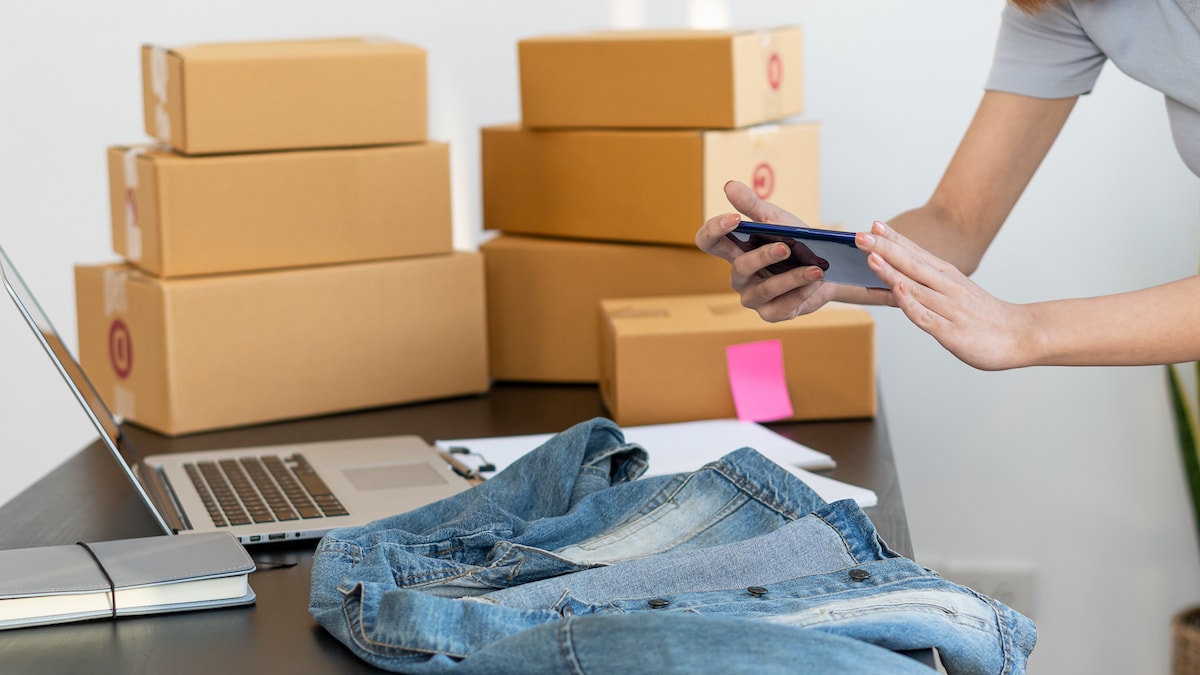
(566, 551)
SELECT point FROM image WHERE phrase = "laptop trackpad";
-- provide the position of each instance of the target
(391, 476)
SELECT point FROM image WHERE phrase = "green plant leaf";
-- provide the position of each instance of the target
(1186, 429)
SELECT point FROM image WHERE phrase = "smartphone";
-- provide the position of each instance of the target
(831, 250)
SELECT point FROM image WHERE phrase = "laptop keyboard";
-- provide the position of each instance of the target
(262, 490)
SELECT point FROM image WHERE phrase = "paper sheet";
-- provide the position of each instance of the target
(685, 446)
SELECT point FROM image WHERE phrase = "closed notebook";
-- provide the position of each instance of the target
(151, 575)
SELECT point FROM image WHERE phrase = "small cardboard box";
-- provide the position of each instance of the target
(543, 295)
(186, 355)
(641, 186)
(285, 94)
(663, 359)
(176, 215)
(661, 79)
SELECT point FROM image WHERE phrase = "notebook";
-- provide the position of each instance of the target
(258, 494)
(107, 579)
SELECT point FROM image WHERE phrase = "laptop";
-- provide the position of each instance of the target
(258, 494)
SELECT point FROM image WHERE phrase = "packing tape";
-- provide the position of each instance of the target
(123, 402)
(158, 72)
(133, 231)
(115, 299)
(130, 157)
(159, 76)
(762, 135)
(773, 72)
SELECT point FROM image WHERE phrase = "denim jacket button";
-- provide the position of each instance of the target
(757, 591)
(859, 575)
(567, 611)
(658, 603)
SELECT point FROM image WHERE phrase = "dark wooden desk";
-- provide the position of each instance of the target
(87, 498)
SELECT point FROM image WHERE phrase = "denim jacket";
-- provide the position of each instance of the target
(567, 553)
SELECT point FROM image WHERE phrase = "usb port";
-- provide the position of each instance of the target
(276, 537)
(255, 537)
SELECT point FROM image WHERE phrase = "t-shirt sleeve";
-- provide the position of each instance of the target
(1045, 55)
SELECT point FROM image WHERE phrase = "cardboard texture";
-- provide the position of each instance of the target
(661, 79)
(641, 186)
(285, 94)
(176, 215)
(543, 296)
(663, 359)
(187, 355)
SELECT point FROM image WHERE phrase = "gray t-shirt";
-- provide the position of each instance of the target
(1059, 52)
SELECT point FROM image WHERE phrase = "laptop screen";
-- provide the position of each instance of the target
(72, 372)
(63, 359)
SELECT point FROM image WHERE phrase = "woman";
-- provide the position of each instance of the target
(1049, 52)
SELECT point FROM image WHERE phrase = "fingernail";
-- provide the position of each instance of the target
(879, 227)
(780, 251)
(731, 221)
(875, 258)
(814, 274)
(866, 239)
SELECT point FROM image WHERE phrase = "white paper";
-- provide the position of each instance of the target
(685, 446)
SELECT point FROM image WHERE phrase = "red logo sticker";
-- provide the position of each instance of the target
(774, 70)
(763, 180)
(120, 348)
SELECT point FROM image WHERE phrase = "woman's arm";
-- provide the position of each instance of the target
(1152, 326)
(1002, 148)
(1000, 152)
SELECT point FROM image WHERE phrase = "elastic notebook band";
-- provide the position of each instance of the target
(112, 588)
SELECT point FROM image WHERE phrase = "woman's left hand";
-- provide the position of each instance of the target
(979, 329)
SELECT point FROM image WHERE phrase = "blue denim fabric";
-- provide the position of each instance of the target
(686, 644)
(466, 583)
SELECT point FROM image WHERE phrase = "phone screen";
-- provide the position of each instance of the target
(831, 250)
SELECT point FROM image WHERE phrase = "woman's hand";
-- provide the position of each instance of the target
(777, 297)
(979, 329)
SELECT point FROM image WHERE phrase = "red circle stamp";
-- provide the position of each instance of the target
(763, 180)
(120, 348)
(774, 70)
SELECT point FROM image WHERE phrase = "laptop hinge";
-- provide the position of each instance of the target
(159, 489)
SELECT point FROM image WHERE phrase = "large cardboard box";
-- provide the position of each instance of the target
(641, 186)
(661, 79)
(284, 94)
(543, 297)
(200, 353)
(663, 359)
(175, 215)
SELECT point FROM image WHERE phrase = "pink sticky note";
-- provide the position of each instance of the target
(757, 380)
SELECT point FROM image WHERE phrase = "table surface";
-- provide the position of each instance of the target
(87, 498)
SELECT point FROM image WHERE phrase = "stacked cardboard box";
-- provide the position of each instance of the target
(286, 242)
(626, 141)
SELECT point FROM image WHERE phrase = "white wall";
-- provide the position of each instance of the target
(1071, 472)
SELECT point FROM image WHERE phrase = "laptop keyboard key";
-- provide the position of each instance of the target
(224, 495)
(245, 491)
(262, 489)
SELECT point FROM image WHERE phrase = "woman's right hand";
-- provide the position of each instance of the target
(776, 297)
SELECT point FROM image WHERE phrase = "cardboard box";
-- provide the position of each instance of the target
(543, 296)
(663, 359)
(186, 355)
(661, 79)
(286, 94)
(641, 186)
(175, 215)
